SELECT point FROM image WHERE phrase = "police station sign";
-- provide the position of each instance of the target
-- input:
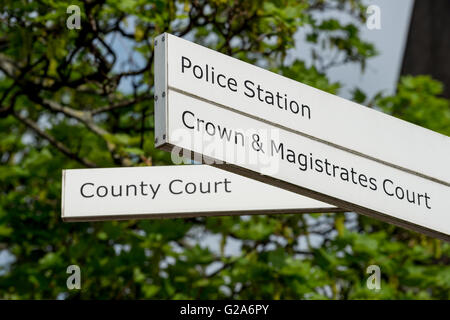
(217, 109)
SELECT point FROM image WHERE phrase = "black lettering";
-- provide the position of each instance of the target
(226, 181)
(184, 122)
(362, 178)
(259, 93)
(218, 80)
(426, 200)
(193, 189)
(334, 170)
(344, 174)
(195, 73)
(183, 65)
(297, 108)
(199, 121)
(290, 156)
(305, 107)
(142, 188)
(232, 82)
(397, 193)
(207, 191)
(170, 186)
(373, 183)
(247, 87)
(104, 194)
(418, 198)
(269, 97)
(134, 187)
(278, 100)
(413, 200)
(116, 195)
(319, 163)
(303, 162)
(280, 147)
(211, 126)
(353, 172)
(224, 133)
(155, 191)
(236, 134)
(384, 187)
(327, 165)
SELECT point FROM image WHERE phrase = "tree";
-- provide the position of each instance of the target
(62, 106)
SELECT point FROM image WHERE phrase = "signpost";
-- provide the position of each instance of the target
(275, 130)
(173, 191)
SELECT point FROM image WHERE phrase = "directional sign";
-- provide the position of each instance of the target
(173, 191)
(253, 91)
(287, 134)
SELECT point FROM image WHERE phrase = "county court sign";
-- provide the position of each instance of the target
(173, 191)
(275, 130)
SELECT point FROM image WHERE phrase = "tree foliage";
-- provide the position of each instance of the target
(68, 99)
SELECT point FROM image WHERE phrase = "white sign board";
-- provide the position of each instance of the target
(173, 191)
(288, 104)
(327, 148)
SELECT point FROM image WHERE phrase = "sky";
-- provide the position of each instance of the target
(381, 73)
